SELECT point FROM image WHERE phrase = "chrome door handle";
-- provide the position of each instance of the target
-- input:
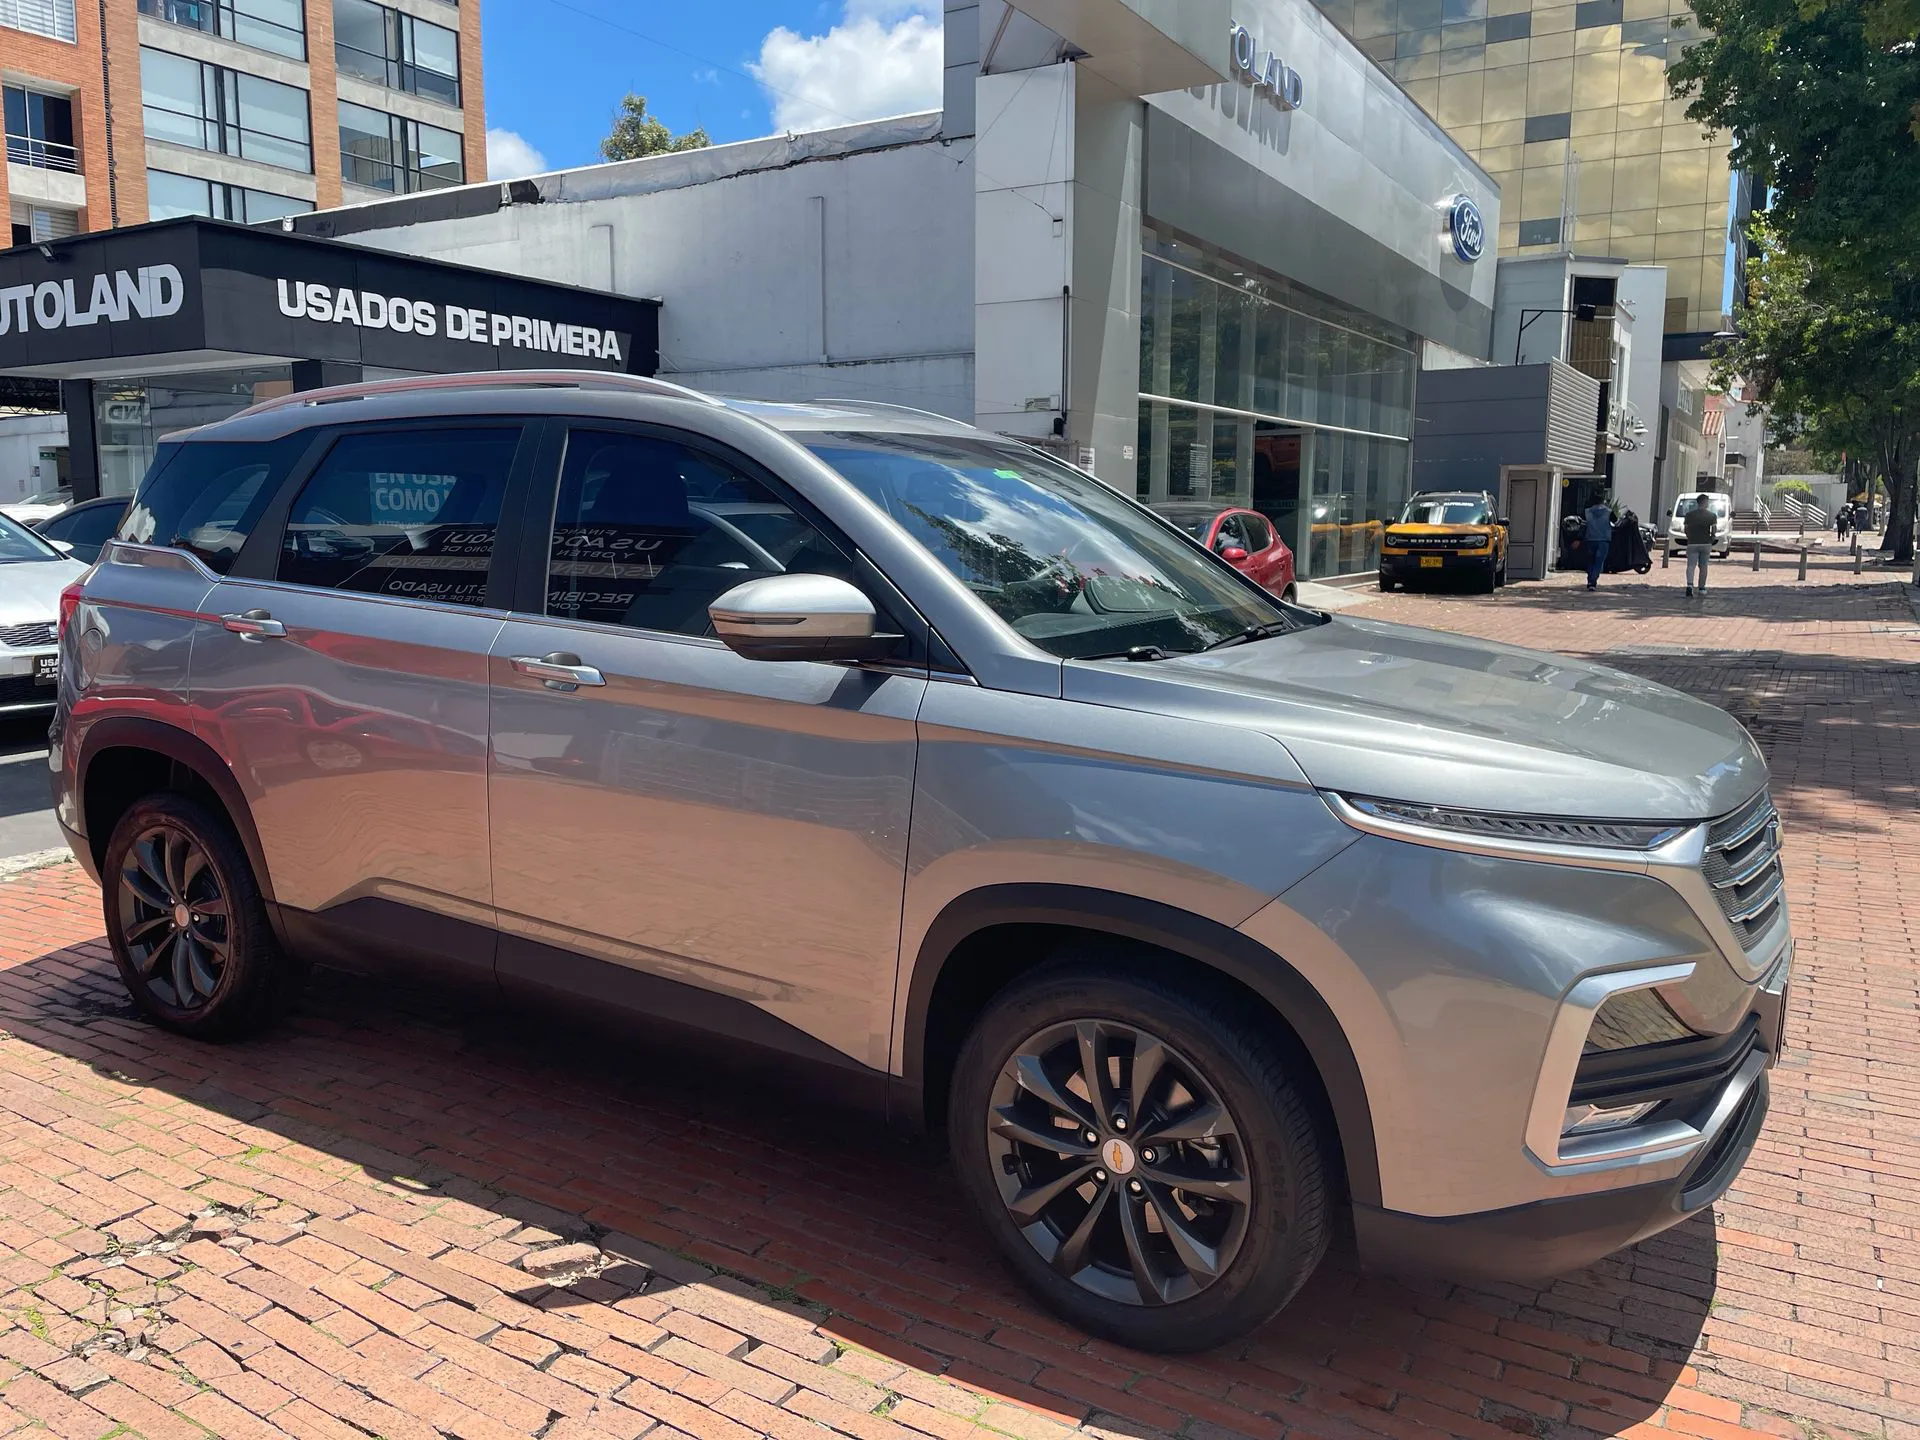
(558, 671)
(254, 625)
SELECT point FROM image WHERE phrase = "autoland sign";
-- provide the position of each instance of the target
(198, 286)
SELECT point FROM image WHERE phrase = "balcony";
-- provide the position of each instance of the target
(42, 154)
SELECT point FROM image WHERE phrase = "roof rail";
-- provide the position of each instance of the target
(896, 409)
(483, 380)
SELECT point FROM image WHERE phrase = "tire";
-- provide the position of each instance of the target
(1643, 569)
(1500, 577)
(170, 848)
(1490, 581)
(1291, 595)
(1265, 1237)
(1386, 583)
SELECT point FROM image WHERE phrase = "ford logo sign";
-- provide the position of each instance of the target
(1466, 229)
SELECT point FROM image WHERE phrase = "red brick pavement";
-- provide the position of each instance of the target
(352, 1227)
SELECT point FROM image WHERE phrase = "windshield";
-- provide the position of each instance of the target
(1068, 563)
(1444, 510)
(19, 544)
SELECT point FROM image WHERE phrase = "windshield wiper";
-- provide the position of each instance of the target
(1249, 635)
(1137, 652)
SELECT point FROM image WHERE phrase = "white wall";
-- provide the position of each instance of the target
(1642, 290)
(22, 438)
(788, 268)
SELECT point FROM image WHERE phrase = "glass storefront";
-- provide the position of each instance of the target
(1256, 392)
(132, 413)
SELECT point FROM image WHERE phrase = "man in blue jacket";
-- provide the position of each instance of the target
(1598, 536)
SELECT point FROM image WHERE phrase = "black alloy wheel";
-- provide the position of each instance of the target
(1118, 1162)
(1142, 1148)
(174, 916)
(188, 925)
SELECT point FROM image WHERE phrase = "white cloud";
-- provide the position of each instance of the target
(883, 58)
(509, 157)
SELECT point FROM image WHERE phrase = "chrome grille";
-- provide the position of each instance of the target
(1743, 866)
(28, 637)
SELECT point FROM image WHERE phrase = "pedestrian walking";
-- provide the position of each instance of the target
(1598, 538)
(1842, 522)
(1699, 528)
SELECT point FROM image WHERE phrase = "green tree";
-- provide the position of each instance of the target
(637, 134)
(1822, 98)
(1837, 363)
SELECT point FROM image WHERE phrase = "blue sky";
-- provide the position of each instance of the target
(556, 69)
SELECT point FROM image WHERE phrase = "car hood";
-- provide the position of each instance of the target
(1391, 711)
(30, 589)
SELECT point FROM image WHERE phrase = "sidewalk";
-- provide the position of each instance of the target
(404, 1216)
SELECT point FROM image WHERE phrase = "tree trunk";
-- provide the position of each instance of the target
(1902, 493)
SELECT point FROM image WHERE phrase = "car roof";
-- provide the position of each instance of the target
(1190, 507)
(1451, 495)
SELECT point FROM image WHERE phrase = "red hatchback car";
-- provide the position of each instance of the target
(1244, 539)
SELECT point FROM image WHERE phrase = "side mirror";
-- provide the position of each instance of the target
(1504, 523)
(1233, 554)
(799, 617)
(65, 547)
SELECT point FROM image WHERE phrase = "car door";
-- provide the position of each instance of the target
(678, 830)
(347, 686)
(1263, 553)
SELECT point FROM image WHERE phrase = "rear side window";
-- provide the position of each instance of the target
(406, 513)
(1259, 536)
(206, 498)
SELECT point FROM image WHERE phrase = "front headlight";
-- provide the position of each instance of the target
(1525, 829)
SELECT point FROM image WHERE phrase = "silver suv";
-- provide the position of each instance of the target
(962, 783)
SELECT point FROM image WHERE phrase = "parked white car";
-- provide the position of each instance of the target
(37, 507)
(1722, 507)
(33, 572)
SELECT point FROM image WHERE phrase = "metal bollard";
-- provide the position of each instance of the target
(1666, 552)
(1803, 562)
(1756, 555)
(1856, 559)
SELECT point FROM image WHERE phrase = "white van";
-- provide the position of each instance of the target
(1722, 506)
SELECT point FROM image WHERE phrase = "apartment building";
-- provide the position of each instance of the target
(122, 111)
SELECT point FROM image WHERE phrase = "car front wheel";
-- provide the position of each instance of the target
(187, 923)
(1143, 1156)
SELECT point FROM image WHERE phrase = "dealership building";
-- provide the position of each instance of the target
(1205, 249)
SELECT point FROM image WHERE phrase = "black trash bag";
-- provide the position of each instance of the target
(1628, 550)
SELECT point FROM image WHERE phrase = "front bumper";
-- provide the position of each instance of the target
(21, 688)
(1410, 566)
(1558, 1236)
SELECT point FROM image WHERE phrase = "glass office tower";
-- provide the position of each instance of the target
(1566, 105)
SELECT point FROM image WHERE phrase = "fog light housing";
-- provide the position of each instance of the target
(1592, 1119)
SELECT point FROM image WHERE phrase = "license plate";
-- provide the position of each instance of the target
(1432, 562)
(46, 669)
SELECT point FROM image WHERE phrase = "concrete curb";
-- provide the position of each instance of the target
(14, 866)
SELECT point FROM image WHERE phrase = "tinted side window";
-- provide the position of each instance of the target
(648, 532)
(1259, 534)
(86, 529)
(206, 498)
(407, 513)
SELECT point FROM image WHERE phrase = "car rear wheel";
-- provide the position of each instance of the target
(188, 926)
(1141, 1154)
(1386, 582)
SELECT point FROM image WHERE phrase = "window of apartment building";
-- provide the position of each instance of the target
(210, 107)
(31, 224)
(170, 195)
(276, 25)
(396, 50)
(390, 152)
(52, 18)
(39, 129)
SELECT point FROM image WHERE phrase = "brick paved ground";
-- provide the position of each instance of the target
(403, 1217)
